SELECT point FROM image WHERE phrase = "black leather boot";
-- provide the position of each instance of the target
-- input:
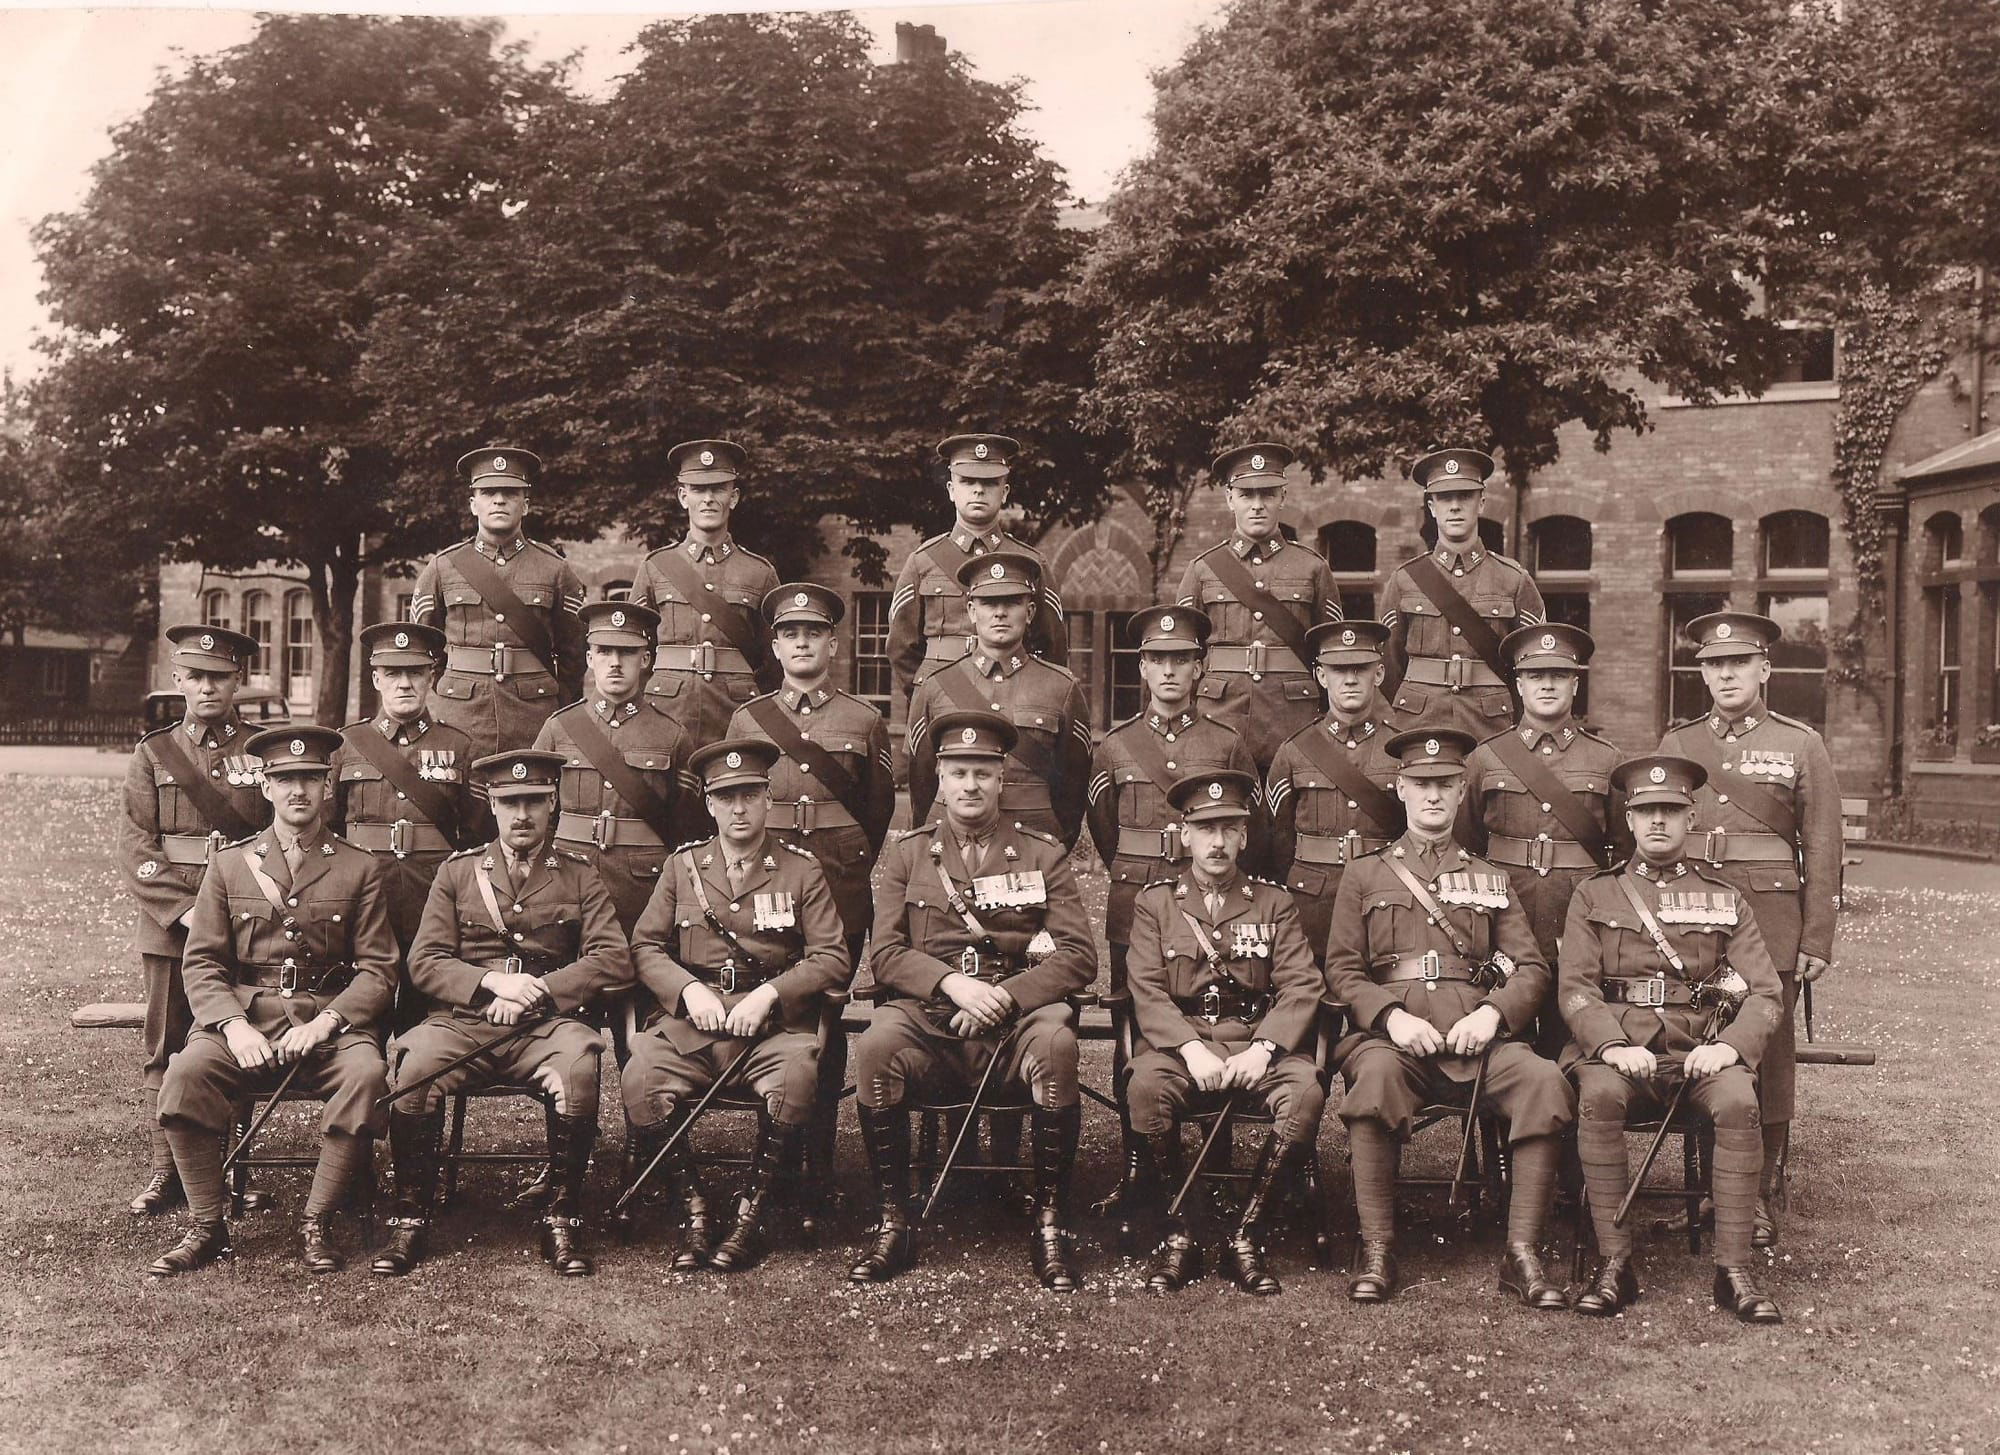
(778, 1148)
(887, 1135)
(1055, 1136)
(570, 1142)
(698, 1230)
(1374, 1278)
(316, 1245)
(161, 1192)
(1614, 1286)
(415, 1140)
(1522, 1274)
(201, 1246)
(1243, 1252)
(1177, 1258)
(1736, 1292)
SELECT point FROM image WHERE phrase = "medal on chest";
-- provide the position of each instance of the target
(1251, 941)
(778, 910)
(1472, 889)
(1009, 891)
(242, 772)
(1704, 907)
(1769, 764)
(437, 765)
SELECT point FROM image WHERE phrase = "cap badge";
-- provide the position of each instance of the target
(1431, 747)
(733, 760)
(996, 571)
(1256, 462)
(207, 642)
(708, 457)
(298, 745)
(1215, 790)
(969, 736)
(520, 770)
(979, 452)
(1347, 637)
(1166, 623)
(1548, 641)
(1722, 631)
(499, 462)
(802, 599)
(1451, 467)
(402, 639)
(618, 618)
(1658, 775)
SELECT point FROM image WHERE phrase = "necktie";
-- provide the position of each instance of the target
(737, 870)
(974, 853)
(294, 856)
(1214, 903)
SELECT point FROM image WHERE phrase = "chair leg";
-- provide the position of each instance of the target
(1691, 1181)
(1319, 1207)
(239, 1174)
(454, 1144)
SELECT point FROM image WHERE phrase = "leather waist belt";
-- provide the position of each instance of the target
(1224, 1002)
(699, 657)
(1428, 967)
(190, 848)
(1024, 794)
(1457, 673)
(949, 648)
(531, 963)
(1654, 990)
(1151, 843)
(1540, 855)
(1726, 846)
(288, 976)
(404, 836)
(730, 977)
(499, 660)
(607, 831)
(1335, 849)
(806, 814)
(1257, 658)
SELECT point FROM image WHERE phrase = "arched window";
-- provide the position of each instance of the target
(215, 609)
(1349, 548)
(1794, 551)
(1701, 552)
(299, 640)
(1492, 535)
(1559, 549)
(1796, 542)
(258, 626)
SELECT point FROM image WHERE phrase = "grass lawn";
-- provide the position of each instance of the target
(1888, 1276)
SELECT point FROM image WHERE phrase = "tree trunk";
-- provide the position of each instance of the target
(332, 581)
(1168, 502)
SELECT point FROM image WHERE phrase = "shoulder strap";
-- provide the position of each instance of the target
(631, 785)
(780, 729)
(437, 805)
(1477, 631)
(732, 618)
(1652, 925)
(530, 624)
(210, 802)
(1277, 616)
(1571, 810)
(266, 885)
(1753, 798)
(1429, 906)
(1380, 804)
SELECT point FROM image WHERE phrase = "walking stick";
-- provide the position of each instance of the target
(528, 1023)
(1471, 1125)
(679, 1132)
(1201, 1157)
(249, 1135)
(1708, 1034)
(964, 1127)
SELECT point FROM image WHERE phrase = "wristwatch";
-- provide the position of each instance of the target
(1270, 1047)
(339, 1020)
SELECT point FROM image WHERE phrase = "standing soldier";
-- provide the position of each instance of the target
(980, 938)
(507, 606)
(1262, 592)
(1432, 956)
(739, 947)
(1333, 784)
(628, 795)
(928, 625)
(401, 780)
(190, 789)
(1225, 992)
(518, 931)
(1048, 768)
(714, 655)
(289, 951)
(1771, 810)
(1642, 944)
(1448, 608)
(1538, 798)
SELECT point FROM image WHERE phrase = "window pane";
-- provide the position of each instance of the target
(1560, 543)
(1687, 695)
(1811, 361)
(1700, 543)
(1798, 659)
(1127, 693)
(1349, 545)
(872, 682)
(298, 644)
(1947, 538)
(1795, 540)
(258, 627)
(215, 609)
(1357, 605)
(1492, 534)
(618, 589)
(404, 600)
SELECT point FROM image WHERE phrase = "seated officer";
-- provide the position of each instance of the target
(1224, 989)
(1432, 955)
(740, 943)
(1638, 939)
(518, 931)
(289, 950)
(980, 936)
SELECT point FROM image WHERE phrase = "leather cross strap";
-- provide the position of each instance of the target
(268, 887)
(947, 556)
(530, 624)
(728, 936)
(957, 900)
(1377, 802)
(1150, 756)
(1476, 629)
(1430, 906)
(827, 769)
(1029, 752)
(222, 816)
(1569, 809)
(731, 617)
(1208, 948)
(1278, 617)
(1652, 925)
(485, 883)
(1753, 798)
(629, 784)
(437, 805)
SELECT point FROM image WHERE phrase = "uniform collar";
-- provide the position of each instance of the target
(1463, 560)
(1723, 726)
(1533, 737)
(505, 552)
(1180, 722)
(698, 552)
(1256, 552)
(517, 867)
(212, 735)
(1355, 735)
(803, 700)
(401, 733)
(611, 711)
(307, 842)
(1236, 887)
(990, 666)
(1658, 873)
(969, 540)
(1449, 854)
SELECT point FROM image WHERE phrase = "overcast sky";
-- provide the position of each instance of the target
(73, 74)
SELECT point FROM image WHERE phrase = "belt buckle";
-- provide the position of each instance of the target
(968, 962)
(212, 846)
(513, 965)
(1254, 655)
(1715, 844)
(1541, 853)
(600, 829)
(399, 837)
(1655, 991)
(499, 661)
(1350, 846)
(1211, 1002)
(1454, 672)
(1431, 970)
(1171, 848)
(726, 979)
(805, 814)
(288, 978)
(703, 657)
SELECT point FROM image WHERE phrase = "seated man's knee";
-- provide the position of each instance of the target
(1602, 1094)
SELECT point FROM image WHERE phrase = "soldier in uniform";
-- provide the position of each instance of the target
(1225, 991)
(1332, 786)
(189, 789)
(1538, 797)
(289, 952)
(1638, 941)
(1448, 609)
(714, 655)
(1431, 953)
(508, 608)
(1771, 813)
(980, 937)
(928, 625)
(1048, 770)
(740, 945)
(516, 930)
(628, 794)
(1263, 593)
(402, 780)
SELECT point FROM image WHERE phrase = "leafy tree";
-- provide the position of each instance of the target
(216, 288)
(761, 235)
